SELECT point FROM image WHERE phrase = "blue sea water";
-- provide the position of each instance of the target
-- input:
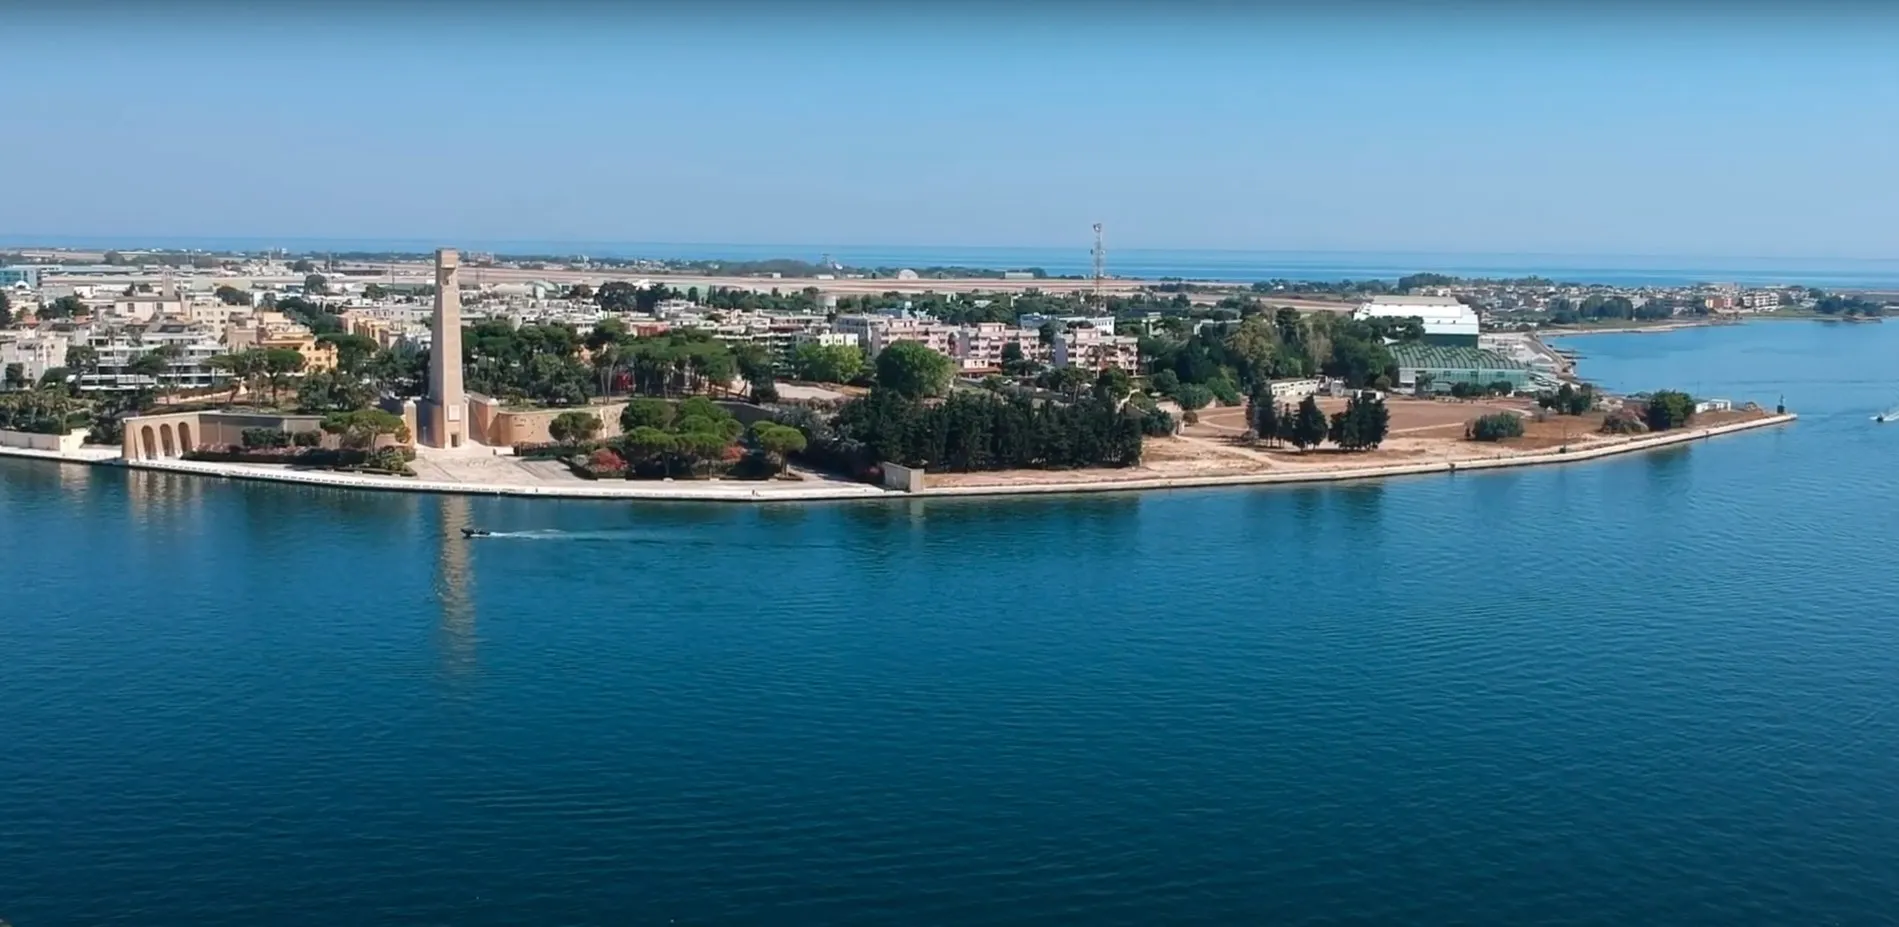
(1215, 265)
(1657, 689)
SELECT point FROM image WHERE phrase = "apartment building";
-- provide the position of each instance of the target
(1095, 349)
(34, 350)
(979, 348)
(1760, 300)
(191, 347)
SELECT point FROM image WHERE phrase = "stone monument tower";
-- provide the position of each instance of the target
(445, 413)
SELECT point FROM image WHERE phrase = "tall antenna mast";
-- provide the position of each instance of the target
(1101, 270)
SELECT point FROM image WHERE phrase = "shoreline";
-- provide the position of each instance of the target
(745, 492)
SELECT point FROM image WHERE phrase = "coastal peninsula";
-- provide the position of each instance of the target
(640, 389)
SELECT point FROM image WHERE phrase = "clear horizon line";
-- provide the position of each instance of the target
(27, 240)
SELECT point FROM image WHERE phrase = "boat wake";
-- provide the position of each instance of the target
(557, 534)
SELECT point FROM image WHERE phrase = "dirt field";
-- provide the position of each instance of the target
(1419, 417)
(1423, 431)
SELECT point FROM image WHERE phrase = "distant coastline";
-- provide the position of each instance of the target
(1209, 265)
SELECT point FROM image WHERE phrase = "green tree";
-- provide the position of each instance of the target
(649, 445)
(244, 367)
(655, 414)
(777, 441)
(352, 351)
(333, 391)
(1309, 425)
(82, 360)
(302, 266)
(280, 364)
(1262, 413)
(360, 429)
(1193, 396)
(65, 307)
(1070, 381)
(316, 285)
(1113, 385)
(232, 296)
(115, 259)
(6, 310)
(374, 292)
(1667, 409)
(574, 427)
(152, 365)
(16, 376)
(1165, 382)
(1363, 423)
(910, 369)
(828, 363)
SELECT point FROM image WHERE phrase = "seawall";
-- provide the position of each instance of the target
(744, 491)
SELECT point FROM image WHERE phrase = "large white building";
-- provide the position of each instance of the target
(1446, 321)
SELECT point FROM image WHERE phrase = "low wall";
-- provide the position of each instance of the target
(903, 478)
(506, 428)
(34, 441)
(529, 426)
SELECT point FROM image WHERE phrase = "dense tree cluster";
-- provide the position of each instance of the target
(1666, 409)
(828, 363)
(1362, 425)
(1262, 347)
(912, 370)
(1848, 306)
(981, 431)
(1568, 400)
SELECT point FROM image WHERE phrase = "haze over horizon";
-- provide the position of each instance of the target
(1455, 130)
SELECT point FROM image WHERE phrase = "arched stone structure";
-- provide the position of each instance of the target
(184, 439)
(148, 442)
(165, 440)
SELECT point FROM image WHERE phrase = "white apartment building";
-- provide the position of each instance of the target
(1094, 349)
(1760, 300)
(118, 347)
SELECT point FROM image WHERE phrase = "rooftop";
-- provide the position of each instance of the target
(1437, 356)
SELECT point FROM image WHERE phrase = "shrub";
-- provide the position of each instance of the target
(265, 437)
(1623, 422)
(604, 463)
(1494, 427)
(765, 392)
(1156, 423)
(307, 439)
(1190, 417)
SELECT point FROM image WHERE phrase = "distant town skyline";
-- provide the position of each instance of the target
(1456, 130)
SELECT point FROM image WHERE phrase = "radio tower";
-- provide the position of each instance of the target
(1101, 271)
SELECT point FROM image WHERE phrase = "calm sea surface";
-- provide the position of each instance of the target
(1651, 690)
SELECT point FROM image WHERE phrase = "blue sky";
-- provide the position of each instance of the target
(1626, 130)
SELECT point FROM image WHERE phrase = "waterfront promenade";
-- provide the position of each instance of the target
(514, 481)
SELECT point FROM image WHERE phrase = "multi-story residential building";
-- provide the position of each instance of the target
(144, 308)
(191, 348)
(1760, 300)
(34, 350)
(273, 334)
(979, 348)
(1095, 349)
